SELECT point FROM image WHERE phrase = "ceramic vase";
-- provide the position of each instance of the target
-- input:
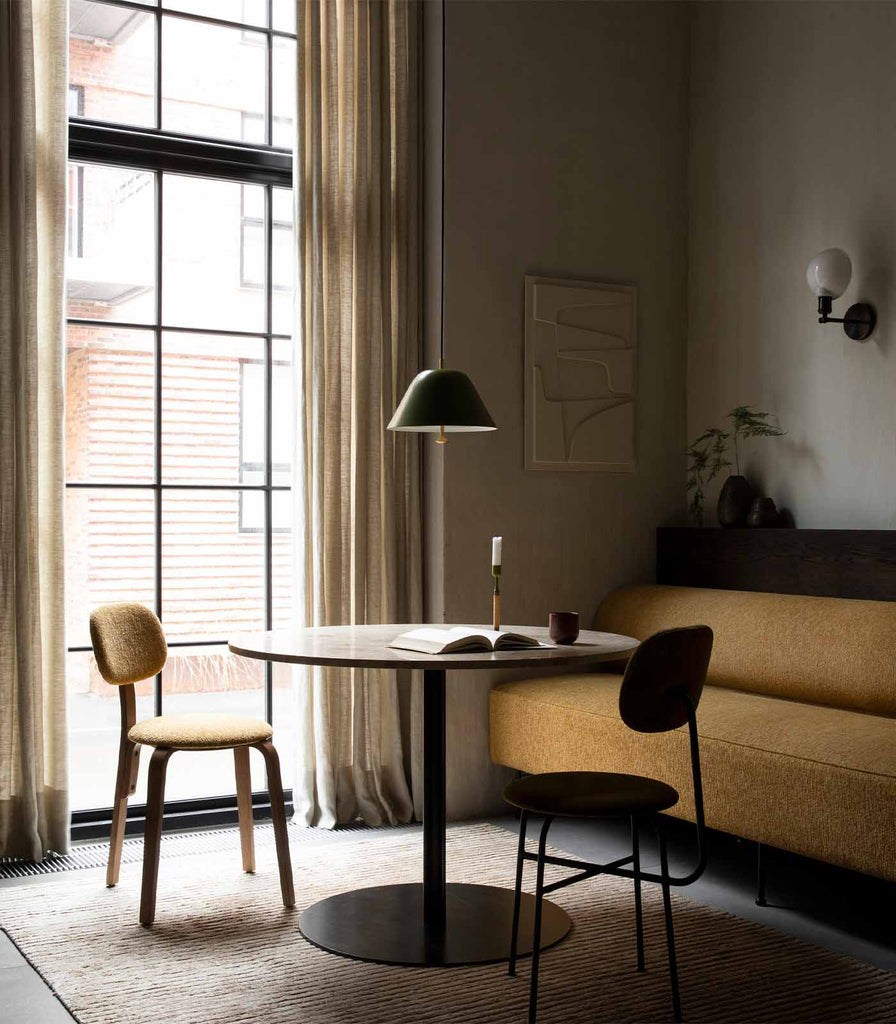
(763, 513)
(735, 500)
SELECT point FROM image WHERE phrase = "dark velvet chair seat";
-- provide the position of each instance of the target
(590, 794)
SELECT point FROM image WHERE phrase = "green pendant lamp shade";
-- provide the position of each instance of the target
(441, 401)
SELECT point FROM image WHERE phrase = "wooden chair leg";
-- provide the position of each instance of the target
(155, 808)
(125, 784)
(244, 806)
(278, 813)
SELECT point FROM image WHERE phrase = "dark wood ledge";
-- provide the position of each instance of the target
(819, 563)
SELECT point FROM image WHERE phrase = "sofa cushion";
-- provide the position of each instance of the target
(817, 780)
(825, 650)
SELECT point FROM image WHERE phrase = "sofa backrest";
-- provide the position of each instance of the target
(826, 650)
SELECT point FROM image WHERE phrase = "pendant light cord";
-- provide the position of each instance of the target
(442, 219)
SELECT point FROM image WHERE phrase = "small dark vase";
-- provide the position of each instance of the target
(735, 501)
(763, 513)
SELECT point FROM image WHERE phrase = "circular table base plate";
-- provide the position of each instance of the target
(384, 924)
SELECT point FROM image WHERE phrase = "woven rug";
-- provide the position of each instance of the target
(224, 951)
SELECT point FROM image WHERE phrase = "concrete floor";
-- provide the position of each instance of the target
(840, 910)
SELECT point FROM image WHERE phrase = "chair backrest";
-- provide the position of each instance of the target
(128, 643)
(667, 666)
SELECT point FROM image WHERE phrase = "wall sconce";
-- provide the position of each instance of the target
(828, 274)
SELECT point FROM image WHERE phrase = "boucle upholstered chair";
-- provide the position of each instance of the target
(660, 691)
(129, 646)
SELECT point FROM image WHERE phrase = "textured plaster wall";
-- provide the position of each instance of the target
(567, 155)
(793, 149)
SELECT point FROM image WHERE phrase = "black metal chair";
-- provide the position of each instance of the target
(660, 691)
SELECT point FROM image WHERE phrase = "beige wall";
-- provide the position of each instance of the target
(793, 149)
(567, 126)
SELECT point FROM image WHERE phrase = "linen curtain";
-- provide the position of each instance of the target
(33, 768)
(357, 485)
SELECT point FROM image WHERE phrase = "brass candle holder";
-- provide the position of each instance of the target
(496, 599)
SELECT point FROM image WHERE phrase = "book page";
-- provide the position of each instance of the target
(431, 640)
(506, 640)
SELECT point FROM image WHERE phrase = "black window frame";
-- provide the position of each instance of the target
(160, 151)
(247, 466)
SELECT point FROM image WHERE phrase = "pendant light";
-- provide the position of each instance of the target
(441, 401)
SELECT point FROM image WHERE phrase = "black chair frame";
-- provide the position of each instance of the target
(618, 868)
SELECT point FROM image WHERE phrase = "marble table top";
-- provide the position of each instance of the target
(365, 647)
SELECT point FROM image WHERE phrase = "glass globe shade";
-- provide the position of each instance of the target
(829, 272)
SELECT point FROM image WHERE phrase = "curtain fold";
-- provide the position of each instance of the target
(33, 742)
(357, 485)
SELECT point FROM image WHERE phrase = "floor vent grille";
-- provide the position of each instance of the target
(178, 844)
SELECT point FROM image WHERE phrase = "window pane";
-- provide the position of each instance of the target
(94, 728)
(252, 254)
(203, 255)
(213, 409)
(112, 55)
(109, 404)
(283, 411)
(282, 206)
(252, 515)
(249, 12)
(211, 76)
(284, 91)
(110, 553)
(282, 566)
(210, 680)
(253, 129)
(212, 570)
(285, 15)
(110, 273)
(283, 261)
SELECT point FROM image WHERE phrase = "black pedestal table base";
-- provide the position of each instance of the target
(385, 924)
(432, 922)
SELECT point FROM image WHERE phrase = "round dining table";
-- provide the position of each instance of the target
(433, 923)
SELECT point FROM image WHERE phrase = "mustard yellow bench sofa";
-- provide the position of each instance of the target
(797, 722)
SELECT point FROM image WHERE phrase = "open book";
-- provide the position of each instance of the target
(463, 639)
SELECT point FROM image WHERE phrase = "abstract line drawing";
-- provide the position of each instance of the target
(580, 376)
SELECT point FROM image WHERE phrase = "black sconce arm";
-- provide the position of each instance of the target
(859, 320)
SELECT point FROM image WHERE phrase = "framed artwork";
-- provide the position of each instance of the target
(580, 376)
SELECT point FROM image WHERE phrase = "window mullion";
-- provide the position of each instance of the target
(157, 405)
(269, 437)
(158, 111)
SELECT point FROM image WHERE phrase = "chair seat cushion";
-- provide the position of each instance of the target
(590, 794)
(200, 731)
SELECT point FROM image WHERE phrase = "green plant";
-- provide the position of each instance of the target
(708, 455)
(748, 423)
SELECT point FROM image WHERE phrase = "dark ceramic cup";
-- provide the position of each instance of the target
(564, 627)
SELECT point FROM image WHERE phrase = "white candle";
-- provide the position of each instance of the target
(496, 550)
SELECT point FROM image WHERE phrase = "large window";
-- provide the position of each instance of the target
(178, 406)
